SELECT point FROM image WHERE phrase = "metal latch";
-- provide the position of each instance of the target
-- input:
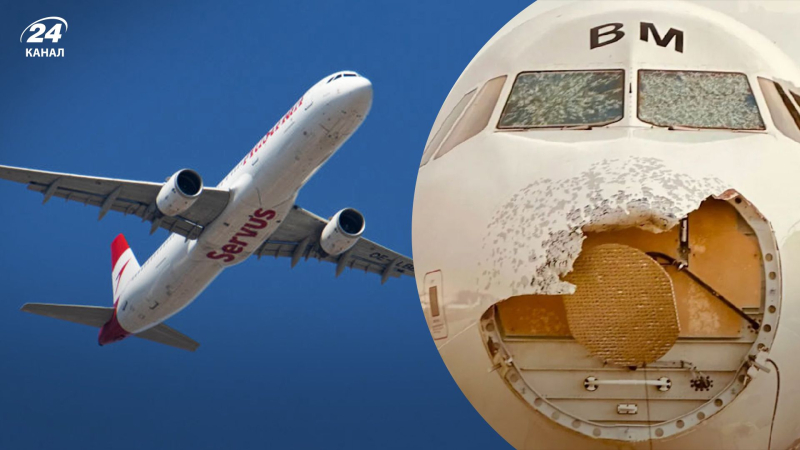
(507, 361)
(663, 384)
(627, 408)
(757, 363)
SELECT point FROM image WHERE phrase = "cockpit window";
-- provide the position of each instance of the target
(446, 126)
(340, 75)
(796, 97)
(562, 99)
(697, 100)
(784, 115)
(476, 117)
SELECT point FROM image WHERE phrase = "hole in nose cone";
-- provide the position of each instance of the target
(660, 317)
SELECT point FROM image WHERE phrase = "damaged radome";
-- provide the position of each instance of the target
(536, 236)
(650, 305)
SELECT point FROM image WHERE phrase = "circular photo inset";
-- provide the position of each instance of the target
(605, 226)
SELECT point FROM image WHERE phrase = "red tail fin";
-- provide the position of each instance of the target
(118, 247)
(123, 265)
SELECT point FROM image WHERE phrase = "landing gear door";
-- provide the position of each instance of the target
(435, 311)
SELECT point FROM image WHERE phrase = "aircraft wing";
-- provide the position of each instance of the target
(298, 237)
(128, 197)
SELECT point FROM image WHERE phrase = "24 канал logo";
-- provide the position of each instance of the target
(47, 29)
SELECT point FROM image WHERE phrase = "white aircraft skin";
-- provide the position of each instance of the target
(506, 213)
(264, 186)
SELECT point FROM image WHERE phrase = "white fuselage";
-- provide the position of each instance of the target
(263, 186)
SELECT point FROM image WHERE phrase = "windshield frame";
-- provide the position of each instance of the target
(680, 127)
(585, 126)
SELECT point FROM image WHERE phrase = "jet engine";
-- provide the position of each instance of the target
(342, 231)
(180, 192)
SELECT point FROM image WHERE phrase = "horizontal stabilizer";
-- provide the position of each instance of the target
(94, 316)
(97, 316)
(168, 336)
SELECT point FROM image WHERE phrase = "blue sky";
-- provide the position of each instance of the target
(289, 358)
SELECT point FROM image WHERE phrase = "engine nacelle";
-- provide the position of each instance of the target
(342, 231)
(179, 192)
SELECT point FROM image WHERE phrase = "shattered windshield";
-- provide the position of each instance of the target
(697, 100)
(564, 99)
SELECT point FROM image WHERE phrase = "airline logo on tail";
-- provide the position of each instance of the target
(123, 265)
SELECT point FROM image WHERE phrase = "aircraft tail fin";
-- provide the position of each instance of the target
(97, 316)
(123, 265)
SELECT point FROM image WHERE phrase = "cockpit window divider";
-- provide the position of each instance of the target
(795, 98)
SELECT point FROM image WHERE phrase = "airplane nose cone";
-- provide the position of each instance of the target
(361, 94)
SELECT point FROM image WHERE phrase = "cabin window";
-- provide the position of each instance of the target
(446, 126)
(697, 100)
(564, 99)
(477, 115)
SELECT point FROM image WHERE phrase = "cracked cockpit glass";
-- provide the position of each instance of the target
(697, 100)
(564, 99)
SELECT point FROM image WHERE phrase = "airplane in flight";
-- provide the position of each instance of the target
(606, 229)
(252, 211)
